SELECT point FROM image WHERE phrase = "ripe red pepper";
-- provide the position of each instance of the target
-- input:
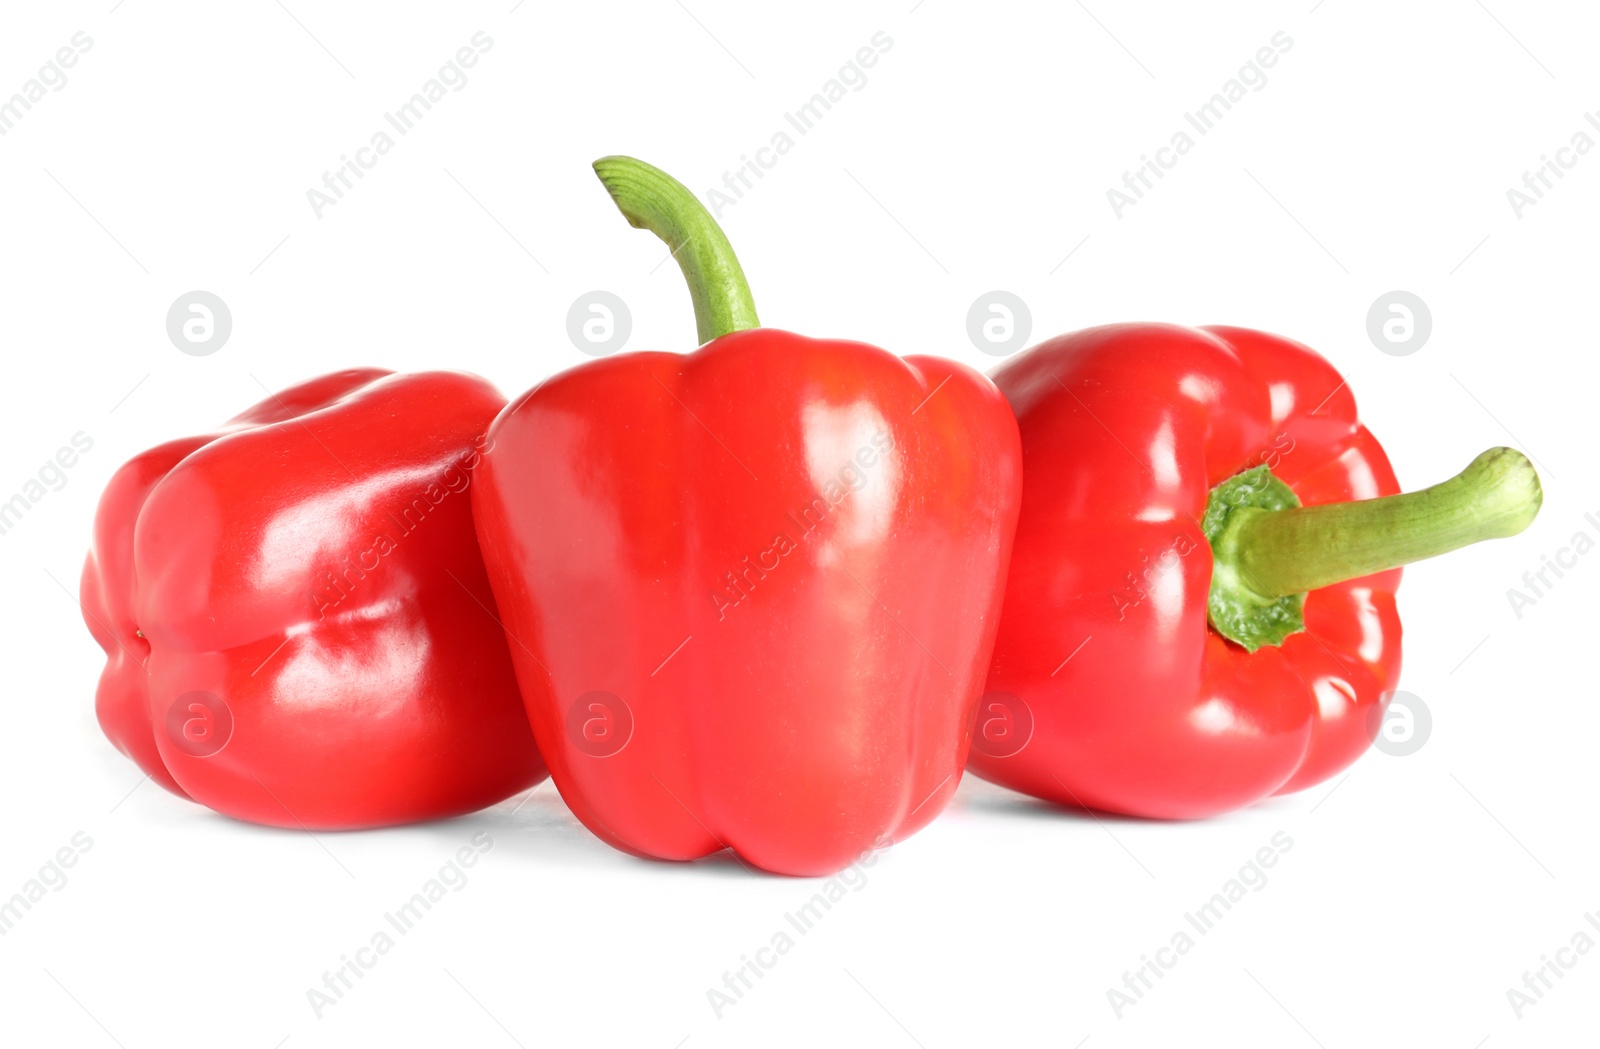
(1198, 616)
(296, 620)
(751, 591)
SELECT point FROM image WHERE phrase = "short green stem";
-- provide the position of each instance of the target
(651, 199)
(1291, 551)
(1268, 551)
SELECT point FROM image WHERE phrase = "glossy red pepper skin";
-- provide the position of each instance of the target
(1129, 701)
(312, 566)
(752, 589)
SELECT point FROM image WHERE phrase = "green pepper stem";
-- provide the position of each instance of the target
(651, 199)
(1282, 552)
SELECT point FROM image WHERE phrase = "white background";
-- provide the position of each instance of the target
(977, 156)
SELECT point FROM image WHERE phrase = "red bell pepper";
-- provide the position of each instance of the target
(296, 620)
(1198, 614)
(751, 590)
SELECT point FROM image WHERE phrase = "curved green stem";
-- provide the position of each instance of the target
(1268, 551)
(651, 199)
